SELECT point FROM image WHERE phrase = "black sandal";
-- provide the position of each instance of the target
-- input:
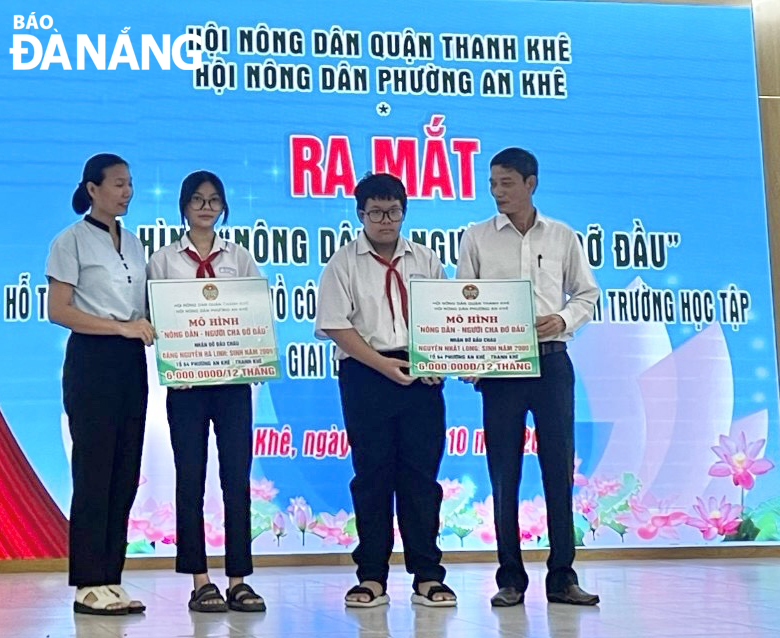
(373, 599)
(199, 600)
(428, 601)
(241, 603)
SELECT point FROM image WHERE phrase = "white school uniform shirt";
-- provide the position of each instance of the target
(171, 261)
(108, 282)
(549, 254)
(352, 292)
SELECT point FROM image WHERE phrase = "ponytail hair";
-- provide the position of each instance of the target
(81, 200)
(93, 172)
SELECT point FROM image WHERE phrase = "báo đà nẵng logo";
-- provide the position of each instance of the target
(34, 52)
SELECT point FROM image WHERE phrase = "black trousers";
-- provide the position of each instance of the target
(506, 402)
(229, 408)
(104, 391)
(397, 438)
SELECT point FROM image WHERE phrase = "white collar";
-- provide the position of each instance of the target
(502, 220)
(186, 243)
(364, 246)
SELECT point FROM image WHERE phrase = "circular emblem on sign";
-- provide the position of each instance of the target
(210, 292)
(470, 292)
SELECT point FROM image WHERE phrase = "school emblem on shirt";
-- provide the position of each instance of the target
(470, 292)
(210, 292)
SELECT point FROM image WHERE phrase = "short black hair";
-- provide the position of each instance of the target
(94, 171)
(517, 159)
(379, 186)
(191, 183)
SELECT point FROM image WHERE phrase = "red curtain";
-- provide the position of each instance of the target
(31, 524)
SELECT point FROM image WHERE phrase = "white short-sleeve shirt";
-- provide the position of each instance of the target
(108, 282)
(172, 262)
(352, 292)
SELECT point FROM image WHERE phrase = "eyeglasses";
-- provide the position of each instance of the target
(214, 203)
(377, 215)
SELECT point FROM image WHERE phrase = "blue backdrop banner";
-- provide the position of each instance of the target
(645, 123)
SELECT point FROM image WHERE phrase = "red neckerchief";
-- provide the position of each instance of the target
(205, 269)
(389, 274)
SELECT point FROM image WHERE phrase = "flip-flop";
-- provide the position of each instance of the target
(103, 598)
(241, 603)
(427, 600)
(199, 600)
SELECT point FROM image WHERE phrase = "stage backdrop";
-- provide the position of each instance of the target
(645, 123)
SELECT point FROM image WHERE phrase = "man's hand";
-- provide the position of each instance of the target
(549, 325)
(431, 380)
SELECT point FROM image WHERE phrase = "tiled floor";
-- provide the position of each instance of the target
(657, 599)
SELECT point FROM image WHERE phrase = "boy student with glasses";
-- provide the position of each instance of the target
(395, 423)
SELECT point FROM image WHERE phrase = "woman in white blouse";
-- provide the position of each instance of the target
(97, 289)
(201, 253)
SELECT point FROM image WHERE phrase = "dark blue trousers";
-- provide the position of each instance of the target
(506, 403)
(397, 438)
(229, 408)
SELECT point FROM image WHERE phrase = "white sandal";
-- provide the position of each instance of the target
(133, 606)
(104, 597)
(374, 600)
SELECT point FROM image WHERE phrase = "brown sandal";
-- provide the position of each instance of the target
(237, 602)
(199, 600)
